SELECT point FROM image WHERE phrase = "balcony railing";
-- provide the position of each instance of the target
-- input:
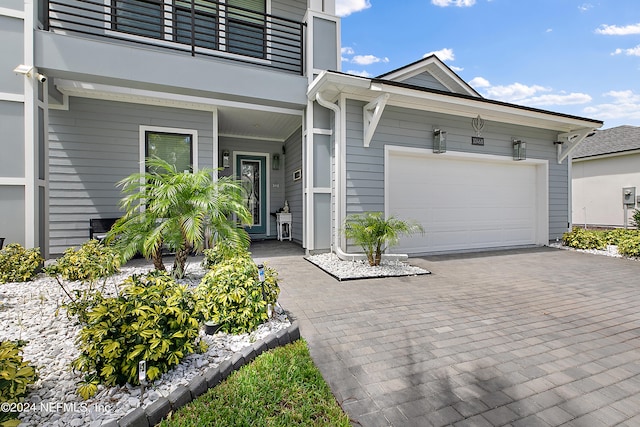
(201, 27)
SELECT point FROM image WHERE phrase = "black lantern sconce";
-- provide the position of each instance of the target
(519, 150)
(439, 141)
(275, 162)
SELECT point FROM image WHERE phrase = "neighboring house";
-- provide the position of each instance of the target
(244, 85)
(605, 177)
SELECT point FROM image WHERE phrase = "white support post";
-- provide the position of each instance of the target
(371, 114)
(573, 139)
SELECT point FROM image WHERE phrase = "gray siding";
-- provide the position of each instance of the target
(413, 128)
(12, 140)
(11, 54)
(94, 145)
(293, 189)
(12, 213)
(277, 177)
(325, 43)
(425, 80)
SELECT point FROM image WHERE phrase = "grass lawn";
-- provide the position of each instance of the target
(279, 388)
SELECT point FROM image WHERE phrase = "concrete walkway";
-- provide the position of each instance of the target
(538, 337)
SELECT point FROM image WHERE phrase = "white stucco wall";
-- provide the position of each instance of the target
(597, 188)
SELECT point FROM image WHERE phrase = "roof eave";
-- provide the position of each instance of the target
(332, 84)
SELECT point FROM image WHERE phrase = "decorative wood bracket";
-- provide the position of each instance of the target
(371, 114)
(572, 139)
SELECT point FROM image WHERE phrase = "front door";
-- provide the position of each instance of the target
(251, 171)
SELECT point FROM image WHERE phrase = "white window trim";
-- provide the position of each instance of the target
(143, 142)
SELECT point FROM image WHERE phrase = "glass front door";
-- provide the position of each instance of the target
(251, 173)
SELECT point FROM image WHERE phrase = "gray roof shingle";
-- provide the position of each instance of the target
(608, 141)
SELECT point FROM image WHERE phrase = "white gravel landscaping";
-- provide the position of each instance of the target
(611, 250)
(350, 270)
(28, 312)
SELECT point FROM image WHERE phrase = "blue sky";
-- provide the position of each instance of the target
(573, 57)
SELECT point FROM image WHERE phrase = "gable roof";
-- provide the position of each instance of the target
(433, 66)
(609, 141)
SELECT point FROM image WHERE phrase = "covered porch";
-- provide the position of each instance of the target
(101, 134)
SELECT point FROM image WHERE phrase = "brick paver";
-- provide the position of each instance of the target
(524, 337)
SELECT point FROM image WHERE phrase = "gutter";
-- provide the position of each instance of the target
(345, 256)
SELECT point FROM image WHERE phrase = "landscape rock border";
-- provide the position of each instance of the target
(360, 269)
(161, 408)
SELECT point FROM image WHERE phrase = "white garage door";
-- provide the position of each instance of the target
(465, 202)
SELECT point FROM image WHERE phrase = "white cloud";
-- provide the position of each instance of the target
(534, 95)
(362, 73)
(634, 51)
(445, 54)
(457, 69)
(625, 106)
(479, 82)
(347, 7)
(347, 51)
(614, 30)
(457, 3)
(367, 59)
(585, 7)
(515, 92)
(559, 99)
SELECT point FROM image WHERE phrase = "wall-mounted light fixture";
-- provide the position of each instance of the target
(27, 70)
(275, 161)
(24, 69)
(519, 149)
(225, 159)
(439, 141)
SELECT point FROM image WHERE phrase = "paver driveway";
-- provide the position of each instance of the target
(527, 337)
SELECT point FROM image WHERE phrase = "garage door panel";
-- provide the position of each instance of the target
(463, 203)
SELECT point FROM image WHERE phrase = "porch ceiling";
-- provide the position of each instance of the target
(252, 124)
(236, 119)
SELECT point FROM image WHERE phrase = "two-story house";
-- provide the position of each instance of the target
(89, 88)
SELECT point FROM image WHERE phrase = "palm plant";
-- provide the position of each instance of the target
(374, 234)
(181, 211)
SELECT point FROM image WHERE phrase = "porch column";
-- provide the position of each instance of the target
(318, 178)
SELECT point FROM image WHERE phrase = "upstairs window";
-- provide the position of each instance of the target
(234, 26)
(204, 19)
(246, 27)
(140, 17)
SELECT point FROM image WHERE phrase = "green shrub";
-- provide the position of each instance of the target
(232, 296)
(15, 376)
(223, 251)
(154, 319)
(580, 238)
(90, 262)
(18, 264)
(630, 246)
(635, 219)
(613, 237)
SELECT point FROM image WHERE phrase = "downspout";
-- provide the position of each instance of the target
(336, 206)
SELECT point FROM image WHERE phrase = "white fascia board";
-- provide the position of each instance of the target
(148, 97)
(11, 13)
(336, 83)
(424, 100)
(606, 156)
(441, 70)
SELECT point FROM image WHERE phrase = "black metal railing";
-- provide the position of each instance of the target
(201, 27)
